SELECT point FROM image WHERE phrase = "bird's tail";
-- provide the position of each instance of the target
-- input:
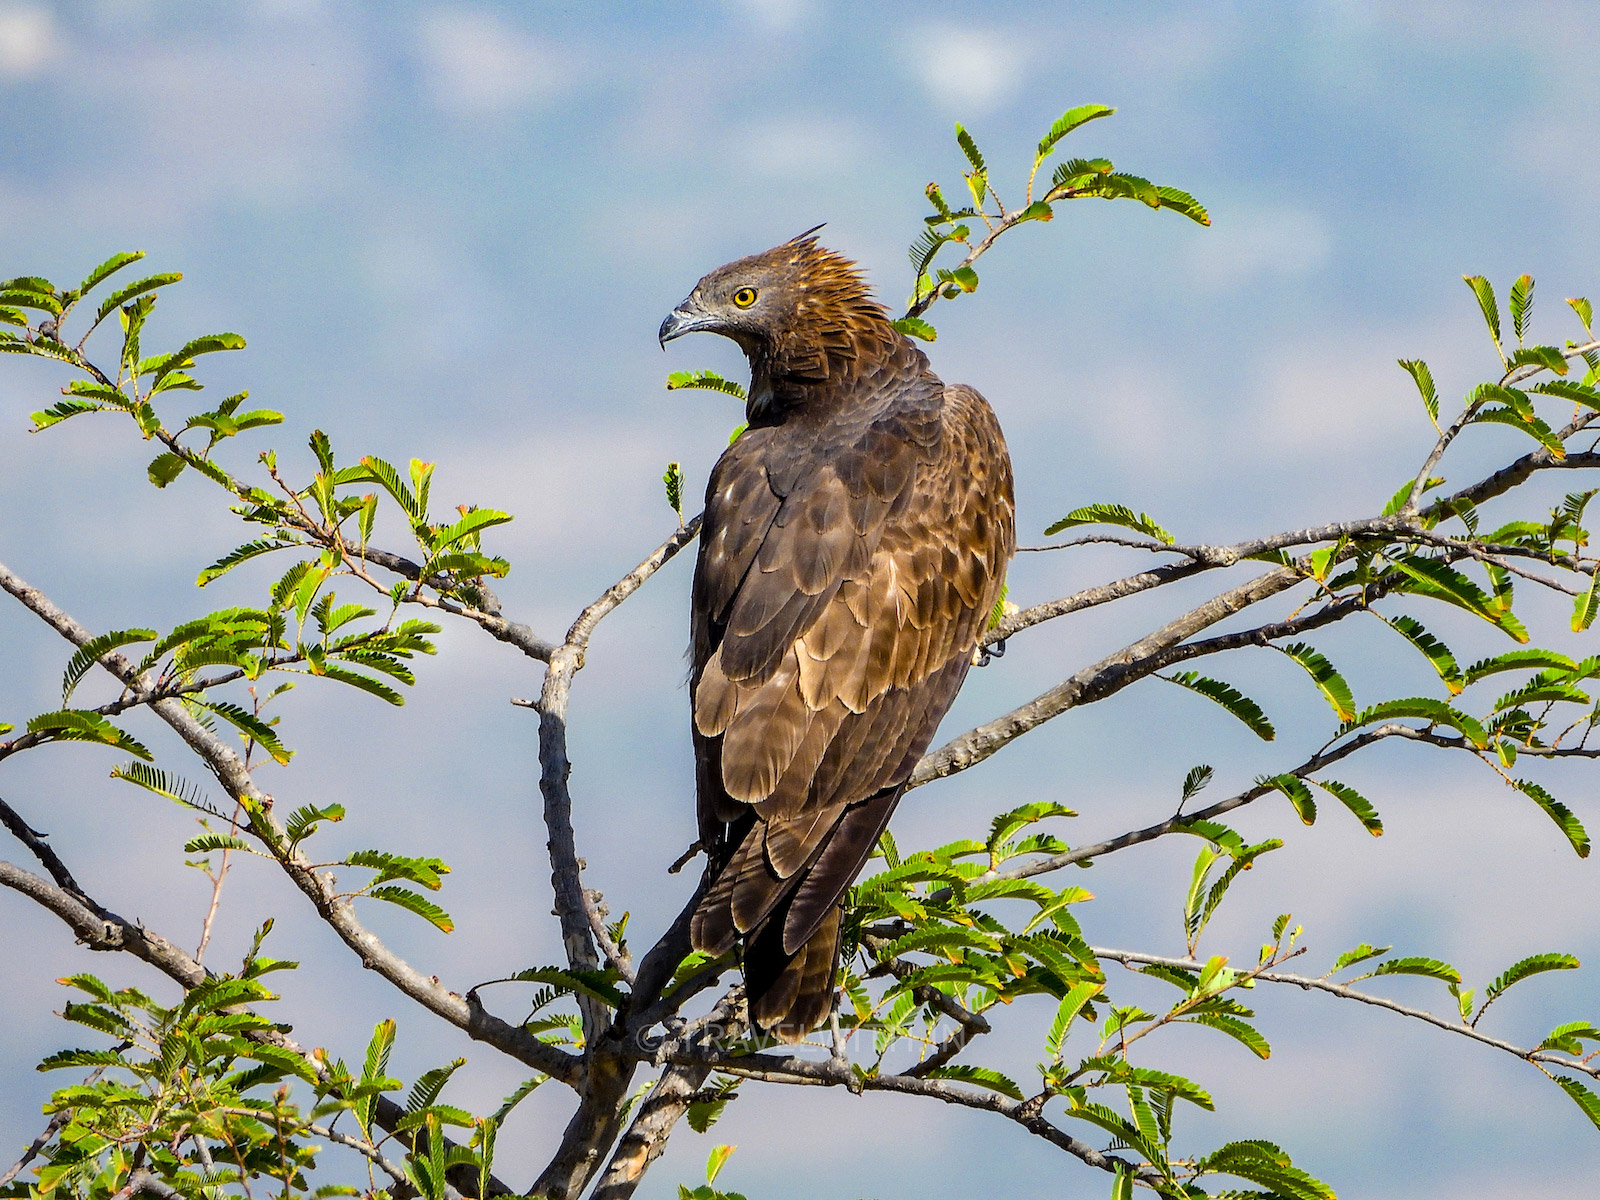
(792, 994)
(789, 925)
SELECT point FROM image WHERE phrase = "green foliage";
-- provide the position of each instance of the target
(1484, 291)
(1110, 514)
(94, 650)
(1229, 697)
(80, 725)
(714, 1164)
(594, 984)
(414, 902)
(1423, 377)
(917, 328)
(1355, 802)
(206, 1097)
(1566, 820)
(1328, 680)
(674, 483)
(709, 380)
(1534, 964)
(1439, 581)
(1436, 652)
(953, 225)
(164, 784)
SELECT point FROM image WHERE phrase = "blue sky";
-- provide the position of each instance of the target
(450, 231)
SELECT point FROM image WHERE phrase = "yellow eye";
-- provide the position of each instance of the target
(745, 297)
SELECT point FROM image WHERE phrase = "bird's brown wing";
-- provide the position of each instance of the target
(836, 609)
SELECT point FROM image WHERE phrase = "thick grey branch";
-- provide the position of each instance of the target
(1099, 680)
(666, 1105)
(576, 908)
(100, 929)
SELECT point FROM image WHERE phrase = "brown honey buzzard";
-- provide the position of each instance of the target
(855, 541)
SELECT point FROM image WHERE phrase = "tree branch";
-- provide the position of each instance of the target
(1128, 958)
(98, 928)
(578, 908)
(336, 911)
(1099, 680)
(607, 1071)
(665, 1106)
(790, 1069)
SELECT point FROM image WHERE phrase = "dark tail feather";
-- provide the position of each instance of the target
(838, 863)
(790, 995)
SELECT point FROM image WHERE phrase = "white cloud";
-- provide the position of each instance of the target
(779, 16)
(479, 65)
(968, 69)
(27, 41)
(800, 147)
(1250, 244)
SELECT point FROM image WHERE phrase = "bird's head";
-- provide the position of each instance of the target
(798, 311)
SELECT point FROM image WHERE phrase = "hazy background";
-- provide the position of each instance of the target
(450, 231)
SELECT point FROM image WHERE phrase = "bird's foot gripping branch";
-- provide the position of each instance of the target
(197, 1091)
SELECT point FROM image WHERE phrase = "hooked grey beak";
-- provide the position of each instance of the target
(686, 318)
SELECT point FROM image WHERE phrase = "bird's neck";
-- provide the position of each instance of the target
(818, 369)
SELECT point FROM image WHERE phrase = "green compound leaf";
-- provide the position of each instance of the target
(1566, 820)
(1355, 802)
(1111, 514)
(1328, 680)
(1582, 1096)
(1299, 794)
(707, 380)
(107, 269)
(1229, 697)
(1068, 121)
(1435, 712)
(1484, 291)
(1432, 968)
(414, 902)
(79, 725)
(1534, 964)
(916, 327)
(94, 650)
(1436, 652)
(1423, 377)
(1245, 1034)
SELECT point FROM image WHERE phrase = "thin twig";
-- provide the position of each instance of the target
(1306, 982)
(52, 1127)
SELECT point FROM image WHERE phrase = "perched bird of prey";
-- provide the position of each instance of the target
(856, 538)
